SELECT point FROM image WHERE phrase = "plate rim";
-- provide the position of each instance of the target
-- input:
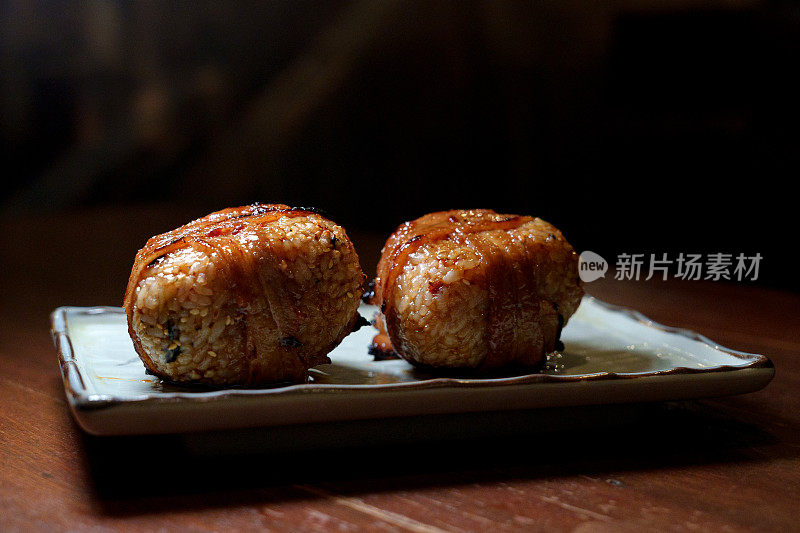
(81, 398)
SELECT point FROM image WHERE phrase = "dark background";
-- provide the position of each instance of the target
(633, 126)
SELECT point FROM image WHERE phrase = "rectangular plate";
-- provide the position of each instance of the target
(612, 355)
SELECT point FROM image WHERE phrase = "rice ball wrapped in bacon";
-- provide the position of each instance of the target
(474, 289)
(244, 296)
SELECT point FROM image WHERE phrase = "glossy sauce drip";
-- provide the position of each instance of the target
(218, 224)
(442, 227)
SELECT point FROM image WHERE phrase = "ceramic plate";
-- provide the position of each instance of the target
(612, 355)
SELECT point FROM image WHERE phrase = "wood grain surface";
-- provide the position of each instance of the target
(723, 464)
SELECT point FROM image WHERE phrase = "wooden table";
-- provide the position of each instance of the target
(726, 464)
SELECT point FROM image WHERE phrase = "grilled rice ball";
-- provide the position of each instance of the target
(244, 296)
(474, 289)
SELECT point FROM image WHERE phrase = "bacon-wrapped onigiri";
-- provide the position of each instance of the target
(244, 296)
(474, 289)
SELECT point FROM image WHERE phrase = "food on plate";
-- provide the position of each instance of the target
(474, 289)
(244, 296)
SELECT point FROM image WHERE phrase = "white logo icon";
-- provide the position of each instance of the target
(591, 266)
